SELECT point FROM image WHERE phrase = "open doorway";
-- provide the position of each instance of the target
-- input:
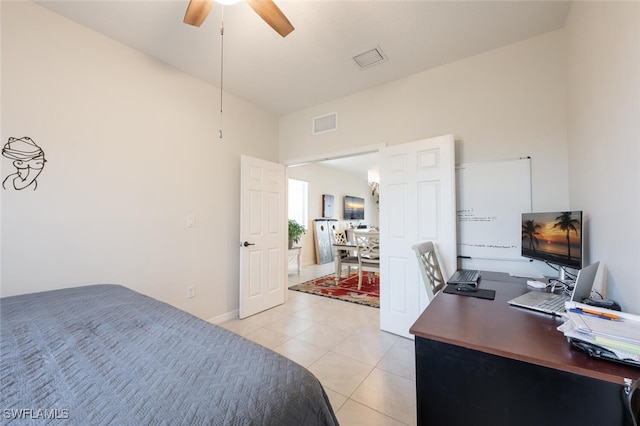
(334, 184)
(417, 204)
(330, 180)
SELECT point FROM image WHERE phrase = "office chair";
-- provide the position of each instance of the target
(429, 268)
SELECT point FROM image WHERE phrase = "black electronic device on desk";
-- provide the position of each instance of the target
(603, 303)
(466, 288)
(469, 290)
(541, 226)
(468, 277)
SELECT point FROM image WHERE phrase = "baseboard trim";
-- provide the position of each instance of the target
(224, 317)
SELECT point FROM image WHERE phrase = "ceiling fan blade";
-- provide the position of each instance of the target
(272, 15)
(197, 12)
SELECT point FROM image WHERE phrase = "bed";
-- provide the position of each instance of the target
(104, 354)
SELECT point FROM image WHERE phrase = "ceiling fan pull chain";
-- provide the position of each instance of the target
(221, 68)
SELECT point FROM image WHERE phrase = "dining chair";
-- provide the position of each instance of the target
(429, 268)
(344, 257)
(368, 244)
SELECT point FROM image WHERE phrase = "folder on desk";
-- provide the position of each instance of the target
(602, 333)
(616, 325)
(602, 352)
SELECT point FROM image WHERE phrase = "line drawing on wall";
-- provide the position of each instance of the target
(28, 159)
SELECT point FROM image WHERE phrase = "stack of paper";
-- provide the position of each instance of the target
(617, 333)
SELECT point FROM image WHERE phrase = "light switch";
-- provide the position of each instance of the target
(191, 221)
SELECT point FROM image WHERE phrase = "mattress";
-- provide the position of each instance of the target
(105, 354)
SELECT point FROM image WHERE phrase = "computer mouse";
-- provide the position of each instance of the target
(466, 288)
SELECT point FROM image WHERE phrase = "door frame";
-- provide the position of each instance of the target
(350, 152)
(319, 158)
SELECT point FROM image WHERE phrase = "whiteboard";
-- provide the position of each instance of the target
(491, 197)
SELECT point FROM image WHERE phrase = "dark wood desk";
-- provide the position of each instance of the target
(484, 362)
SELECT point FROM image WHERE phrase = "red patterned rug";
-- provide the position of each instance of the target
(346, 289)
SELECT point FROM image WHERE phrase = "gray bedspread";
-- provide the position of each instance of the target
(105, 354)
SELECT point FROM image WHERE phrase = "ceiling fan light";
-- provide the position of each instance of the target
(228, 2)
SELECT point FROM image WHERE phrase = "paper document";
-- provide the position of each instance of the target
(611, 324)
(621, 345)
(569, 330)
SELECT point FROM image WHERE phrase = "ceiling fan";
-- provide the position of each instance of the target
(198, 10)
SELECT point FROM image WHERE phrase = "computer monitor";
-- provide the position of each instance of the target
(553, 237)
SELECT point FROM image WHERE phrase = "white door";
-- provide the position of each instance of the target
(263, 235)
(417, 203)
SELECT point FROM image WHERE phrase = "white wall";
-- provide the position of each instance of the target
(509, 102)
(323, 180)
(570, 99)
(131, 148)
(603, 43)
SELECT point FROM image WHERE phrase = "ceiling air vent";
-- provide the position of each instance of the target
(370, 58)
(325, 123)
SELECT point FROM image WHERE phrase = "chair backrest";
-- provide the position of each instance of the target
(368, 245)
(340, 236)
(429, 268)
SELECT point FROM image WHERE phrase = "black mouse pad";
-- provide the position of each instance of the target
(481, 293)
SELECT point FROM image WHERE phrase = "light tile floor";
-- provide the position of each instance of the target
(368, 374)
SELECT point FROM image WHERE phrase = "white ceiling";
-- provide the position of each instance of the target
(314, 63)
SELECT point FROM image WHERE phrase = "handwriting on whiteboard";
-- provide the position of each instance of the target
(491, 246)
(468, 215)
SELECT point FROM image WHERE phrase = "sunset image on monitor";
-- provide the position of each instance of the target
(555, 237)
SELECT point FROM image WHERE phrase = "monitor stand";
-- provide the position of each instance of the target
(562, 274)
(564, 277)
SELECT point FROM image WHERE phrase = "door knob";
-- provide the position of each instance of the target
(247, 244)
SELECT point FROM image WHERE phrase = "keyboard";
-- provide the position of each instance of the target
(553, 305)
(465, 276)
